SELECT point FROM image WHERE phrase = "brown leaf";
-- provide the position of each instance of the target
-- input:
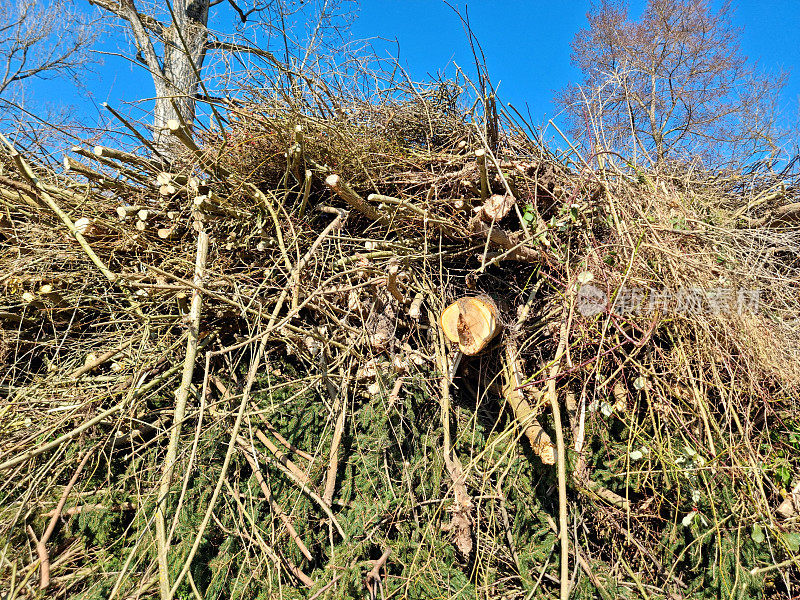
(461, 527)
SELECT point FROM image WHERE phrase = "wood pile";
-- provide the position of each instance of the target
(313, 354)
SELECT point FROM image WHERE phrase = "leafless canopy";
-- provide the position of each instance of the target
(174, 44)
(671, 85)
(41, 39)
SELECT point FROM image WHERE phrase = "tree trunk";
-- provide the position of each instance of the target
(176, 74)
(184, 52)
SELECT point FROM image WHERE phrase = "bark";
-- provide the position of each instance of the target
(176, 74)
(185, 47)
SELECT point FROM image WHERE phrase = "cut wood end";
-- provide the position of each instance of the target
(82, 224)
(332, 181)
(173, 125)
(470, 322)
(497, 207)
(546, 452)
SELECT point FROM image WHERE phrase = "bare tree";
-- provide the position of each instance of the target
(41, 39)
(672, 85)
(176, 73)
(183, 35)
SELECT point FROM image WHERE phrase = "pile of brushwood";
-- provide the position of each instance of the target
(223, 375)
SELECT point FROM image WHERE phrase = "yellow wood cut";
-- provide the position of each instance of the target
(471, 322)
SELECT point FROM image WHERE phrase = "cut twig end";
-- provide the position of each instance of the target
(333, 182)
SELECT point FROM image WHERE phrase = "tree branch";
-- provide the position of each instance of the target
(144, 43)
(117, 8)
(233, 47)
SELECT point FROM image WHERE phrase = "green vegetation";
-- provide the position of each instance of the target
(223, 376)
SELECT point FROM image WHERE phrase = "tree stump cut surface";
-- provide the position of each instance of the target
(471, 322)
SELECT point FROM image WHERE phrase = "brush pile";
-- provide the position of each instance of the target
(223, 376)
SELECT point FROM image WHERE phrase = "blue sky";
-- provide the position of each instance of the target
(527, 42)
(526, 45)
